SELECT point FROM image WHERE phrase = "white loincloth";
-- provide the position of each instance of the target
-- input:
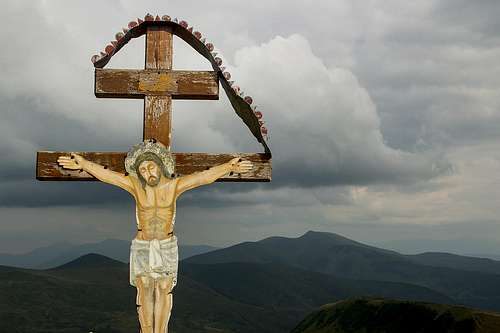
(154, 258)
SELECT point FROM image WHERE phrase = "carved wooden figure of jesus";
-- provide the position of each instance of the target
(151, 180)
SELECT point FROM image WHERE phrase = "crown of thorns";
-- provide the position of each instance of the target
(149, 147)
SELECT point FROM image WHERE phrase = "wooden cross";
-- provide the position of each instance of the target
(158, 84)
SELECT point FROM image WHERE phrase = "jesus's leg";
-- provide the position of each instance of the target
(145, 302)
(163, 304)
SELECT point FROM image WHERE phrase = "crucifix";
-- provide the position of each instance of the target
(150, 172)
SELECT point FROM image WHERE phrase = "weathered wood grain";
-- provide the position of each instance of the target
(129, 83)
(157, 122)
(159, 42)
(186, 163)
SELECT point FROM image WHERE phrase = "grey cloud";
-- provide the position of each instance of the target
(433, 73)
(372, 94)
(479, 17)
(324, 127)
(224, 195)
(32, 193)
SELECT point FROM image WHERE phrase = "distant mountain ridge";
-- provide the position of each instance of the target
(61, 253)
(339, 256)
(263, 286)
(34, 258)
(93, 292)
(469, 263)
(91, 260)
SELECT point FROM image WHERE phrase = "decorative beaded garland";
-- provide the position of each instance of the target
(111, 48)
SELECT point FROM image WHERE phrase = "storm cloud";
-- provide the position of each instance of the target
(372, 108)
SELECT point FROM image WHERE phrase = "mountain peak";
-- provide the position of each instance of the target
(91, 260)
(312, 235)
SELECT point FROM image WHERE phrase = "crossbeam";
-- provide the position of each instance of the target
(186, 163)
(130, 83)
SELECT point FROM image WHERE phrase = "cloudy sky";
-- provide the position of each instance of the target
(383, 116)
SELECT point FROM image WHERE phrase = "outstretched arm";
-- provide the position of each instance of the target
(200, 178)
(77, 162)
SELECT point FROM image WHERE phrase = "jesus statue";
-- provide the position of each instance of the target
(151, 180)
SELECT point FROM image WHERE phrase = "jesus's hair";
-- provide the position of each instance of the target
(148, 156)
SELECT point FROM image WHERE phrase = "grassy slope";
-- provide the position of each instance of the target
(93, 294)
(391, 316)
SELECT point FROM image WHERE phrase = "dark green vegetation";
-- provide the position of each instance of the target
(389, 316)
(265, 286)
(92, 294)
(468, 281)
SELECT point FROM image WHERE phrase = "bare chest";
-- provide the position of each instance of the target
(161, 196)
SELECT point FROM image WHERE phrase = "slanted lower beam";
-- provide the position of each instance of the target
(132, 83)
(186, 163)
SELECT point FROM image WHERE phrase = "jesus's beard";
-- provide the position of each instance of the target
(153, 181)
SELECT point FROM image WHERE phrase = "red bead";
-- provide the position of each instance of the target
(197, 34)
(218, 61)
(183, 24)
(132, 24)
(248, 99)
(261, 122)
(149, 17)
(157, 18)
(210, 46)
(109, 49)
(94, 58)
(236, 89)
(227, 75)
(263, 130)
(258, 114)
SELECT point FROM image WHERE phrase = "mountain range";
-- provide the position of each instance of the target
(263, 286)
(470, 281)
(63, 252)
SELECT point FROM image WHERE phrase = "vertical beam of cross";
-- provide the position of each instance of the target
(158, 109)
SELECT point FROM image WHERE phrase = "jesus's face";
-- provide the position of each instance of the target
(150, 171)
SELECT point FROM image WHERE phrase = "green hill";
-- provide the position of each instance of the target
(392, 316)
(332, 254)
(265, 286)
(92, 293)
(284, 287)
